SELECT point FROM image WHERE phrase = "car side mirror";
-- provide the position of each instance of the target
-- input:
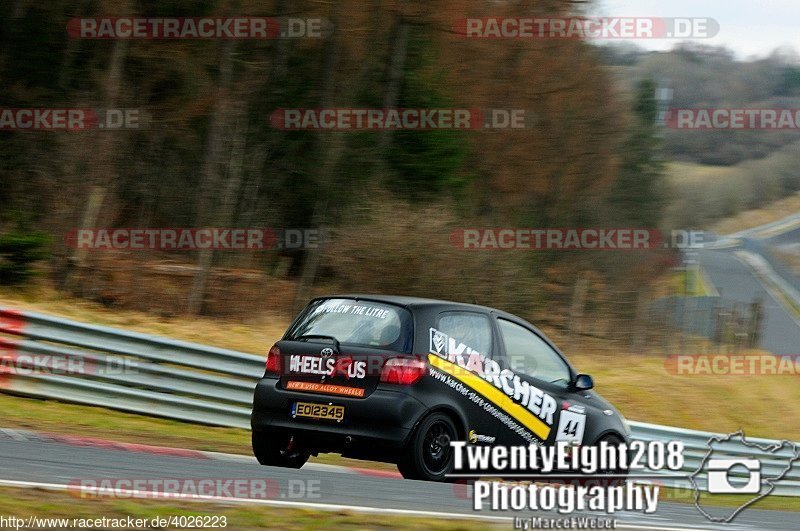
(583, 382)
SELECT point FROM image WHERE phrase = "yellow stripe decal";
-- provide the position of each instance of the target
(493, 394)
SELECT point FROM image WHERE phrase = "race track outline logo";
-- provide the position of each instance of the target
(718, 469)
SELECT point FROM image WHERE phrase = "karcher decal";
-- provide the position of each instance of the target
(529, 405)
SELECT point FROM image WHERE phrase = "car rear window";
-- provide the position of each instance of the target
(357, 322)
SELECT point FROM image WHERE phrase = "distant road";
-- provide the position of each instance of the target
(737, 282)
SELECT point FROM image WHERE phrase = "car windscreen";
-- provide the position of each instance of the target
(357, 322)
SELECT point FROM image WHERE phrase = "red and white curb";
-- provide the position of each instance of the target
(93, 442)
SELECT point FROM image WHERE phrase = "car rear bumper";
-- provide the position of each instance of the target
(382, 421)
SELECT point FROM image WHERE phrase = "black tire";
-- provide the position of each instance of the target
(403, 468)
(429, 456)
(612, 439)
(278, 448)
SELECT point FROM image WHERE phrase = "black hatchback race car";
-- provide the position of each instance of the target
(395, 379)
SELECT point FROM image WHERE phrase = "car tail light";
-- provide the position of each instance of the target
(274, 361)
(403, 371)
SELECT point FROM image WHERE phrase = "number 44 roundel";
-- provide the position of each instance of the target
(571, 426)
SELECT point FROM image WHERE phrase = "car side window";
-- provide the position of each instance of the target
(472, 329)
(529, 354)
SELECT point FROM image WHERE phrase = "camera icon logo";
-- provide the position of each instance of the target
(755, 474)
(719, 476)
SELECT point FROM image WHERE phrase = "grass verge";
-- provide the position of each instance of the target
(692, 283)
(761, 216)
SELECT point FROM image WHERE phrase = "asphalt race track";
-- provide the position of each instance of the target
(737, 283)
(30, 462)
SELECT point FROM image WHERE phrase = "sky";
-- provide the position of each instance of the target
(749, 28)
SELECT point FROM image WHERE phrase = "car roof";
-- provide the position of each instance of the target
(418, 302)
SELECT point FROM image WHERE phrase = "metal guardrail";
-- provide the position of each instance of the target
(129, 371)
(697, 446)
(155, 376)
